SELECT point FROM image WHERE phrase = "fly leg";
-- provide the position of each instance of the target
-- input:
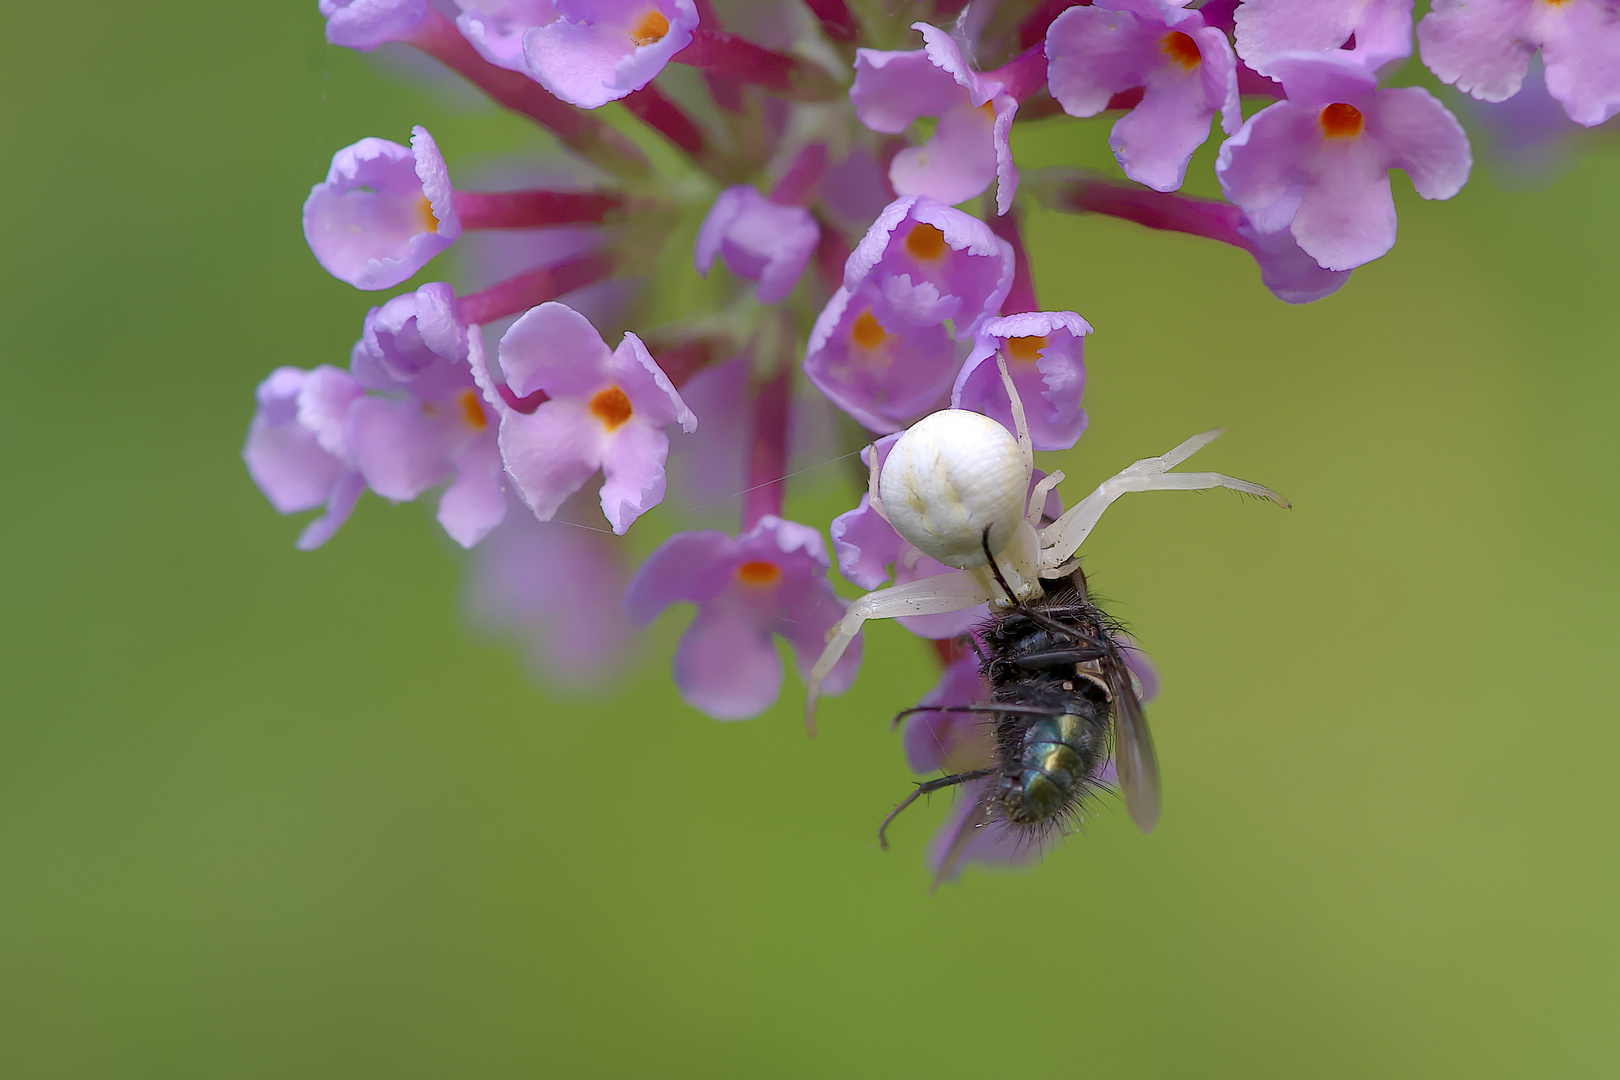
(1058, 658)
(923, 789)
(1026, 710)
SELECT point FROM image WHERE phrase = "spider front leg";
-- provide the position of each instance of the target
(927, 596)
(1026, 445)
(1038, 494)
(1061, 539)
(873, 499)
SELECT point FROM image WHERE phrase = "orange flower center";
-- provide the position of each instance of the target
(649, 29)
(1340, 121)
(1026, 349)
(424, 212)
(926, 243)
(473, 410)
(759, 572)
(611, 407)
(1181, 49)
(868, 332)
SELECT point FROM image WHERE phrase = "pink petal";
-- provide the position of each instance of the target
(1347, 215)
(1423, 138)
(726, 664)
(1480, 46)
(1259, 167)
(653, 397)
(1581, 48)
(633, 466)
(399, 449)
(554, 348)
(550, 453)
(475, 502)
(690, 566)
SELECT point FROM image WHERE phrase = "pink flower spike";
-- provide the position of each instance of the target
(604, 409)
(1266, 29)
(598, 51)
(1318, 163)
(837, 22)
(734, 58)
(1484, 48)
(585, 134)
(771, 581)
(1187, 69)
(382, 212)
(533, 209)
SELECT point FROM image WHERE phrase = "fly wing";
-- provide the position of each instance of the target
(1134, 761)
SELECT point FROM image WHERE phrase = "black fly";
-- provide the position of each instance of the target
(1062, 699)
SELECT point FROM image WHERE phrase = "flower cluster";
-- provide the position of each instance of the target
(853, 174)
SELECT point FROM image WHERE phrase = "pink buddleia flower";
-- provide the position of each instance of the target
(366, 24)
(951, 742)
(398, 436)
(771, 581)
(598, 51)
(757, 239)
(1045, 353)
(1266, 29)
(1484, 48)
(297, 448)
(970, 145)
(1318, 163)
(1186, 68)
(598, 409)
(867, 547)
(930, 263)
(956, 742)
(882, 370)
(436, 428)
(412, 334)
(382, 212)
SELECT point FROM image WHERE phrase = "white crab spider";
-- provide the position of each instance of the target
(953, 475)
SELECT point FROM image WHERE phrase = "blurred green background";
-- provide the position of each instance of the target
(271, 814)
